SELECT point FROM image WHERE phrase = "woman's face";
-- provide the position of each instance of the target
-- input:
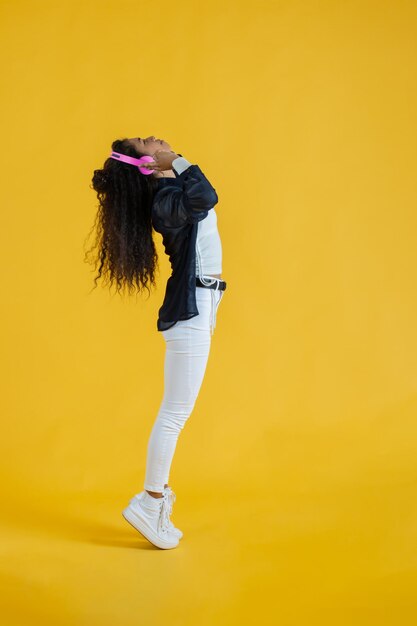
(149, 145)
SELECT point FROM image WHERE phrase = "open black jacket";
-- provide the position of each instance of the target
(178, 205)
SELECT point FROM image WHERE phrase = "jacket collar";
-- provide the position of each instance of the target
(169, 181)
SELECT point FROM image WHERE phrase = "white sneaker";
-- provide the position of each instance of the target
(171, 499)
(150, 516)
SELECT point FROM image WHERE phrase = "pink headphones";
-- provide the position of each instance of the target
(127, 159)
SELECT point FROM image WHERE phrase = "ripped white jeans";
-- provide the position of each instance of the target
(187, 350)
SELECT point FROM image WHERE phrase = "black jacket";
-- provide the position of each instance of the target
(178, 205)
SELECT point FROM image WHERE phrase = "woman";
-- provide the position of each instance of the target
(146, 186)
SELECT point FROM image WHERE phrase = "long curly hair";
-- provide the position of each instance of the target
(126, 252)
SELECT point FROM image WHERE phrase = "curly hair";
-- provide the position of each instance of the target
(126, 254)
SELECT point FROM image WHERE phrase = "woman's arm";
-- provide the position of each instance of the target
(175, 206)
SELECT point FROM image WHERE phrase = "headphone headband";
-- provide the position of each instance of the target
(118, 156)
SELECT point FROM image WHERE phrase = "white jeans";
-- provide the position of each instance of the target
(187, 350)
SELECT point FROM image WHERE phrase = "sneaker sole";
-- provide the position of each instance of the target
(138, 524)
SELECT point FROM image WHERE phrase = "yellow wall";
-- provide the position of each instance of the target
(296, 473)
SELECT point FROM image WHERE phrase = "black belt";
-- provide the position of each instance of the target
(217, 284)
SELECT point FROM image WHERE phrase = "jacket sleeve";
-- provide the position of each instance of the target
(189, 202)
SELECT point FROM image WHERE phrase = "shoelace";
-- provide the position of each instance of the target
(164, 513)
(171, 499)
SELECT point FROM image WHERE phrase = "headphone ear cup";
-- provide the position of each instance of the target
(144, 170)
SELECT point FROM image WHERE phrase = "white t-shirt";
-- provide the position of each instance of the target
(208, 246)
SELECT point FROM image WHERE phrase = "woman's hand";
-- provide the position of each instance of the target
(162, 160)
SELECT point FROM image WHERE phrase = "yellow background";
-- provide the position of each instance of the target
(296, 474)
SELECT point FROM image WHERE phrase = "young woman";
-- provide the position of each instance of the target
(146, 186)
